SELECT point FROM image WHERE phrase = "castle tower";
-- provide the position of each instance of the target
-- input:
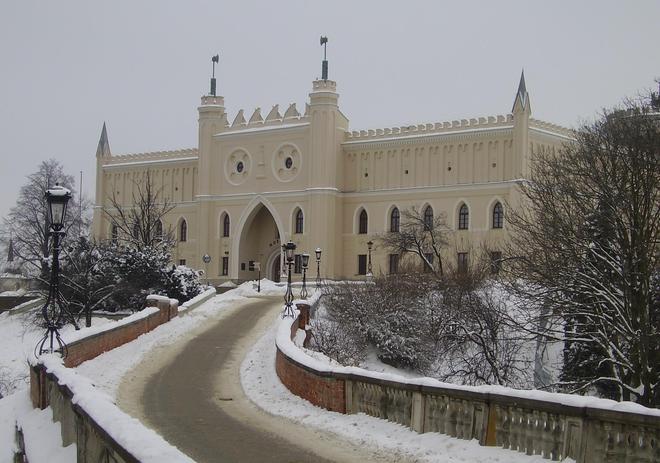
(328, 127)
(521, 113)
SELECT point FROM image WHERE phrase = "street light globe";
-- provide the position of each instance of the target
(57, 198)
(289, 248)
(305, 260)
(318, 254)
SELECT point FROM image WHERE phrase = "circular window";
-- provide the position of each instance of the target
(289, 162)
(286, 162)
(239, 167)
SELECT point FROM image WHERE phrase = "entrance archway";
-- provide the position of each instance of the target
(259, 242)
(275, 270)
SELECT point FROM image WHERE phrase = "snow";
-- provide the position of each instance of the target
(264, 388)
(38, 426)
(145, 444)
(322, 364)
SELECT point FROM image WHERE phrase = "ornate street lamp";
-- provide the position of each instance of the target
(289, 250)
(318, 268)
(54, 311)
(305, 263)
(257, 265)
(370, 275)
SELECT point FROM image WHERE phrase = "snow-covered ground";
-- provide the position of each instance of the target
(259, 382)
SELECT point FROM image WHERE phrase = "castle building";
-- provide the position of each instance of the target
(255, 183)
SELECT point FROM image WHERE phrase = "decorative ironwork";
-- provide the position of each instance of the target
(54, 311)
(289, 249)
(370, 244)
(305, 263)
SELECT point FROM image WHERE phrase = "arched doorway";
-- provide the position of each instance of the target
(259, 242)
(275, 270)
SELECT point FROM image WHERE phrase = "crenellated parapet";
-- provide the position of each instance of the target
(490, 122)
(182, 154)
(550, 127)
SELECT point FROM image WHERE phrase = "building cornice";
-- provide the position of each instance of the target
(283, 128)
(150, 162)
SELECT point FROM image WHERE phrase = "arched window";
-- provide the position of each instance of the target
(463, 217)
(428, 218)
(225, 225)
(183, 231)
(498, 215)
(158, 234)
(114, 233)
(395, 218)
(364, 223)
(300, 221)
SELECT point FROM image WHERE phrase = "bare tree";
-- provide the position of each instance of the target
(140, 224)
(585, 239)
(421, 236)
(27, 222)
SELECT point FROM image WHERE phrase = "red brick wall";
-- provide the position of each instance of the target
(88, 348)
(325, 392)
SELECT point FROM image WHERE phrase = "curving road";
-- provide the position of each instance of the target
(196, 402)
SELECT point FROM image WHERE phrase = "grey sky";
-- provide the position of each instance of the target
(67, 66)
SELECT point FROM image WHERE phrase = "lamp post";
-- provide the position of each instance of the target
(257, 265)
(305, 263)
(318, 268)
(54, 311)
(370, 275)
(207, 259)
(289, 249)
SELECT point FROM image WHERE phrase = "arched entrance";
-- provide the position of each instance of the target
(275, 270)
(259, 242)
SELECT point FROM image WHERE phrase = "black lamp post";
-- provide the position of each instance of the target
(289, 249)
(257, 265)
(305, 263)
(370, 244)
(318, 268)
(54, 311)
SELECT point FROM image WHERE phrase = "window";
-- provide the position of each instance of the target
(182, 261)
(428, 264)
(159, 230)
(183, 231)
(362, 264)
(225, 265)
(428, 218)
(225, 225)
(300, 221)
(364, 223)
(297, 263)
(495, 262)
(463, 217)
(498, 215)
(114, 233)
(394, 264)
(395, 218)
(462, 262)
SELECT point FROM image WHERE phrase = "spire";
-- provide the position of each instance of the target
(324, 67)
(103, 150)
(214, 59)
(522, 97)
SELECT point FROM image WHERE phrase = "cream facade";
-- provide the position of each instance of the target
(257, 182)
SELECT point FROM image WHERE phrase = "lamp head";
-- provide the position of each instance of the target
(289, 249)
(305, 260)
(57, 198)
(318, 254)
(370, 244)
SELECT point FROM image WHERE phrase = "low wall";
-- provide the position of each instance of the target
(555, 426)
(88, 418)
(159, 310)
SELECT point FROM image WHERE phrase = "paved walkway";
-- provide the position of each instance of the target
(204, 415)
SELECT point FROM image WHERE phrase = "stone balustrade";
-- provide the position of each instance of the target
(494, 416)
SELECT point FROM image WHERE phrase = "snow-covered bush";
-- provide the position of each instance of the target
(338, 342)
(182, 283)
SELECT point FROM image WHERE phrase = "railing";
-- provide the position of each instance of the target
(555, 426)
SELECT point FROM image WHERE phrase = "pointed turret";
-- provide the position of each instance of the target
(10, 252)
(522, 97)
(103, 149)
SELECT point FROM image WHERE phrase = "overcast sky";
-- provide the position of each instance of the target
(67, 66)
